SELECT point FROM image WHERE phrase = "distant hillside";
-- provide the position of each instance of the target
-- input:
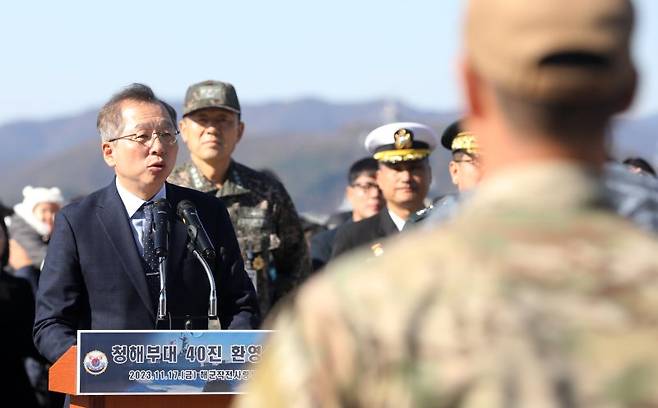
(308, 143)
(314, 115)
(25, 141)
(75, 171)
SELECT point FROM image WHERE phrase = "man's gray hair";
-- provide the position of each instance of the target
(109, 120)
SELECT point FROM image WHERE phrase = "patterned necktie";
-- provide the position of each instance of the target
(150, 260)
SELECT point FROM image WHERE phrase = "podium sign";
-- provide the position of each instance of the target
(166, 361)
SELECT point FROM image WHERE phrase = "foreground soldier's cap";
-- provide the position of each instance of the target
(211, 94)
(401, 141)
(455, 138)
(552, 50)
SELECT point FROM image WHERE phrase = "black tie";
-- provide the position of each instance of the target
(150, 260)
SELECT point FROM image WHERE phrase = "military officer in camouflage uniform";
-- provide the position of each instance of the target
(535, 294)
(268, 228)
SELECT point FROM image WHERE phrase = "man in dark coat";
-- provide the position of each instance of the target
(366, 200)
(99, 271)
(404, 177)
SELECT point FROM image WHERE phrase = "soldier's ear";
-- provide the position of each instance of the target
(240, 130)
(453, 168)
(182, 126)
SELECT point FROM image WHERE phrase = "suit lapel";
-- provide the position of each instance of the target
(386, 224)
(116, 226)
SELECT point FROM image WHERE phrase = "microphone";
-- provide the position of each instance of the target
(202, 248)
(188, 214)
(161, 209)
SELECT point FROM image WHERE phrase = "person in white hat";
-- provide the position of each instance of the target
(29, 229)
(404, 177)
(33, 220)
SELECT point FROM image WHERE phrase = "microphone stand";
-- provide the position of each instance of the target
(162, 299)
(213, 318)
(160, 232)
(163, 318)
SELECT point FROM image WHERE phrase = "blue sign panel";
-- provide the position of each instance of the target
(166, 361)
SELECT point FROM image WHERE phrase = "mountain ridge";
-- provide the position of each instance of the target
(309, 143)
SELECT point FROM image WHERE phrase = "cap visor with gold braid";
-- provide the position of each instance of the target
(465, 141)
(454, 138)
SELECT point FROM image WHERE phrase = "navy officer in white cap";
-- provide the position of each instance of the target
(404, 177)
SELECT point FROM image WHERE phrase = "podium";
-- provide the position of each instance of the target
(63, 378)
(156, 368)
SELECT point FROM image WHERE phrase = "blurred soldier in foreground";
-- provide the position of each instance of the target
(366, 200)
(404, 177)
(535, 294)
(265, 220)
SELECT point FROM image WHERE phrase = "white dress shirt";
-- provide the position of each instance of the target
(133, 205)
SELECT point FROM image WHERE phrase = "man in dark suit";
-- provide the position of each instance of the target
(99, 274)
(365, 198)
(404, 177)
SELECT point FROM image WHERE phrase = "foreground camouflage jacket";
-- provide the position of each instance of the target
(534, 295)
(266, 224)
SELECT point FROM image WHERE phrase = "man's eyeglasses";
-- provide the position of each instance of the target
(167, 137)
(365, 187)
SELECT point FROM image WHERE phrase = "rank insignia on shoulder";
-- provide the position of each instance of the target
(377, 249)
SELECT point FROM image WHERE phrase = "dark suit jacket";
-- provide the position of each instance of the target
(93, 276)
(321, 247)
(355, 234)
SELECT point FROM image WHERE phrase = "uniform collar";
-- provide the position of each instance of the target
(397, 220)
(234, 184)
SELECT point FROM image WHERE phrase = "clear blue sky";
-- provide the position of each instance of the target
(67, 56)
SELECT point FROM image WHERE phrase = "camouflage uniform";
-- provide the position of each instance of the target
(266, 224)
(534, 295)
